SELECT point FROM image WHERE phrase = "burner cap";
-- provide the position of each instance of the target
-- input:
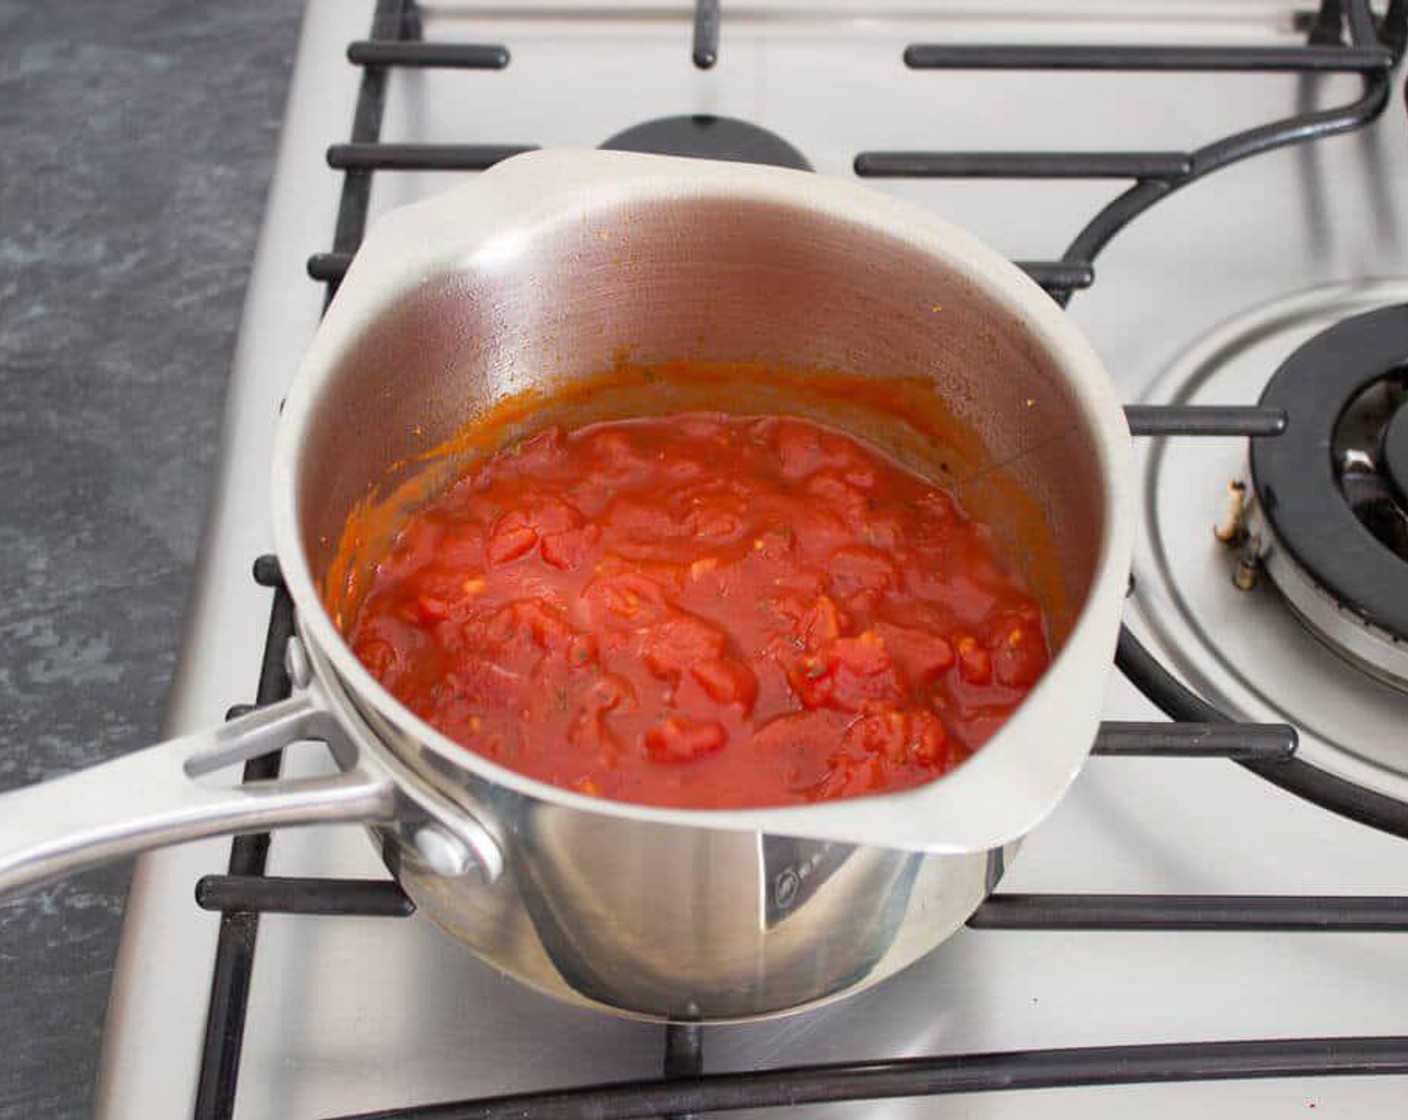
(1324, 489)
(1395, 454)
(707, 137)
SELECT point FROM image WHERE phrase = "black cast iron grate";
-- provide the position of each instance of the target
(1370, 49)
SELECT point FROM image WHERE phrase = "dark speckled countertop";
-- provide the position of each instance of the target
(136, 143)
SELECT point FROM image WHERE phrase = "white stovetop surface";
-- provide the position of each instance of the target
(351, 1015)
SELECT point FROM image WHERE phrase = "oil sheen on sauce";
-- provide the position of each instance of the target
(702, 610)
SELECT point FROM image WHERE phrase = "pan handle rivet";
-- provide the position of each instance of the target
(296, 664)
(442, 852)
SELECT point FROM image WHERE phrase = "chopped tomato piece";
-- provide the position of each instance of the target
(681, 739)
(717, 524)
(863, 672)
(847, 673)
(570, 549)
(536, 453)
(928, 738)
(839, 496)
(902, 737)
(727, 681)
(974, 662)
(921, 655)
(678, 468)
(532, 619)
(677, 642)
(581, 650)
(546, 515)
(821, 622)
(804, 449)
(623, 598)
(617, 456)
(858, 569)
(612, 692)
(860, 475)
(509, 542)
(813, 682)
(431, 609)
(1018, 655)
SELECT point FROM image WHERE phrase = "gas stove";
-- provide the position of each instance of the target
(1185, 933)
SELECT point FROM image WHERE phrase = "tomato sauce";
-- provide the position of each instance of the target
(704, 611)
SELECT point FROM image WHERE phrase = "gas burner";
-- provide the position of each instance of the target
(709, 137)
(1244, 650)
(1328, 503)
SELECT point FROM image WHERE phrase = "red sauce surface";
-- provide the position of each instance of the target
(704, 611)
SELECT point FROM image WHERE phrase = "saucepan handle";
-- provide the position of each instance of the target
(150, 798)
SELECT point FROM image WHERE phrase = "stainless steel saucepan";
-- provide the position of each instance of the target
(541, 273)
